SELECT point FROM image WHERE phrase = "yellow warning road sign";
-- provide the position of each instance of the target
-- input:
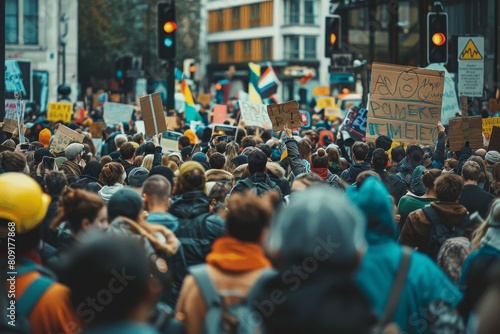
(470, 52)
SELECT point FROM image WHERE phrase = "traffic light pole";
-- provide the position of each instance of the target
(171, 85)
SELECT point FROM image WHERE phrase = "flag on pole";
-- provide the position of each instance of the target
(186, 91)
(253, 84)
(268, 83)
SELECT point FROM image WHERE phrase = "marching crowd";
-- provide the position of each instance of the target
(290, 232)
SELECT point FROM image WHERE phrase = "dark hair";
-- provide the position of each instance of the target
(184, 141)
(471, 171)
(266, 135)
(266, 149)
(363, 176)
(305, 148)
(496, 177)
(240, 134)
(105, 160)
(398, 153)
(149, 148)
(415, 154)
(309, 179)
(257, 161)
(13, 162)
(360, 150)
(379, 159)
(139, 138)
(248, 215)
(383, 142)
(248, 142)
(333, 154)
(448, 187)
(127, 151)
(320, 159)
(217, 160)
(482, 168)
(429, 176)
(157, 187)
(111, 173)
(55, 181)
(191, 180)
(453, 163)
(221, 147)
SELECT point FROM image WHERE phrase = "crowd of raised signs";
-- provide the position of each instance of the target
(250, 231)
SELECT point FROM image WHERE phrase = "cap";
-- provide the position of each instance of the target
(44, 137)
(492, 157)
(138, 176)
(72, 151)
(239, 160)
(163, 171)
(125, 202)
(201, 158)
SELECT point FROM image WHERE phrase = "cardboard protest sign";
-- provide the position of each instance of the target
(449, 106)
(96, 129)
(494, 144)
(117, 112)
(63, 137)
(354, 125)
(10, 118)
(494, 105)
(224, 130)
(488, 124)
(255, 115)
(152, 114)
(170, 141)
(332, 112)
(204, 99)
(284, 113)
(457, 136)
(321, 91)
(325, 102)
(171, 122)
(220, 113)
(59, 112)
(405, 103)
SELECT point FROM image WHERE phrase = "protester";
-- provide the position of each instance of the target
(127, 156)
(359, 152)
(450, 165)
(495, 184)
(55, 183)
(163, 171)
(473, 197)
(74, 162)
(136, 179)
(319, 166)
(112, 178)
(147, 162)
(335, 166)
(13, 162)
(156, 192)
(393, 183)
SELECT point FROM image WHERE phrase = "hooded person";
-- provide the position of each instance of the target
(359, 152)
(90, 173)
(381, 262)
(315, 263)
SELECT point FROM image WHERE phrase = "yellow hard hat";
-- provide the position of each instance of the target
(23, 201)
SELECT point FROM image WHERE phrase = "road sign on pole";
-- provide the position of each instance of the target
(470, 66)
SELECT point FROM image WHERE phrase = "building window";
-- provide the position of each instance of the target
(291, 47)
(220, 21)
(292, 12)
(230, 51)
(11, 22)
(309, 47)
(255, 15)
(235, 20)
(213, 51)
(310, 14)
(266, 48)
(30, 25)
(247, 49)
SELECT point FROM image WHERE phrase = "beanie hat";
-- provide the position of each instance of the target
(44, 137)
(239, 160)
(194, 183)
(163, 171)
(73, 150)
(138, 176)
(191, 135)
(124, 202)
(40, 153)
(492, 157)
(185, 152)
(199, 131)
(92, 169)
(201, 158)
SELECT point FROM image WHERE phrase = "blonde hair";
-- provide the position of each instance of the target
(147, 162)
(480, 232)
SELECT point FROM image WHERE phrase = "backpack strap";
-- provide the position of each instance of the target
(431, 214)
(32, 295)
(397, 287)
(206, 285)
(264, 276)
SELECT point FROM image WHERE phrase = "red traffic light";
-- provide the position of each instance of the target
(438, 39)
(169, 27)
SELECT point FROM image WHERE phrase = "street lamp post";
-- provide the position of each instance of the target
(63, 40)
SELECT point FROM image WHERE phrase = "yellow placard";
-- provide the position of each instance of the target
(59, 112)
(325, 102)
(488, 124)
(321, 91)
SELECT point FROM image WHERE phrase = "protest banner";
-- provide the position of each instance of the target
(305, 118)
(117, 112)
(494, 106)
(286, 113)
(204, 99)
(321, 91)
(63, 137)
(140, 127)
(152, 114)
(494, 144)
(220, 113)
(255, 115)
(456, 135)
(449, 105)
(10, 118)
(325, 102)
(332, 113)
(59, 112)
(354, 125)
(96, 129)
(224, 130)
(170, 141)
(171, 122)
(405, 103)
(488, 124)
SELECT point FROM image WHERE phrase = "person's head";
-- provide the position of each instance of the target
(257, 162)
(306, 180)
(74, 152)
(147, 162)
(471, 171)
(333, 154)
(184, 142)
(44, 137)
(448, 187)
(186, 153)
(248, 141)
(452, 255)
(127, 151)
(383, 142)
(248, 215)
(137, 161)
(482, 166)
(320, 159)
(201, 158)
(9, 143)
(192, 137)
(450, 164)
(496, 172)
(266, 149)
(217, 160)
(359, 151)
(120, 140)
(13, 162)
(149, 148)
(125, 203)
(379, 159)
(81, 211)
(105, 160)
(481, 153)
(217, 193)
(115, 270)
(429, 176)
(137, 177)
(398, 153)
(221, 147)
(163, 171)
(191, 178)
(55, 182)
(414, 155)
(139, 138)
(492, 157)
(156, 193)
(112, 173)
(363, 176)
(305, 149)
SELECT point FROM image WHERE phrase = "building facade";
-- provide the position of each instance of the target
(288, 34)
(44, 32)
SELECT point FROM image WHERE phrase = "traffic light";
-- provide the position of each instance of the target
(437, 37)
(167, 29)
(333, 37)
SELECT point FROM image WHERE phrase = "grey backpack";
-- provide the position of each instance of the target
(221, 318)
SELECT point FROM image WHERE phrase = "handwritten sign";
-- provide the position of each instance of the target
(96, 129)
(63, 137)
(117, 112)
(332, 113)
(255, 115)
(59, 112)
(204, 99)
(457, 136)
(220, 113)
(354, 125)
(488, 124)
(170, 141)
(321, 91)
(325, 102)
(152, 114)
(10, 119)
(494, 144)
(405, 103)
(284, 113)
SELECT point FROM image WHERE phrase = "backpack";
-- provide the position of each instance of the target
(260, 188)
(222, 318)
(440, 232)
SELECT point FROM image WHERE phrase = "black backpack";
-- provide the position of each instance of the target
(440, 232)
(260, 188)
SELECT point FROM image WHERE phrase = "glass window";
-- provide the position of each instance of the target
(235, 18)
(11, 22)
(292, 12)
(266, 49)
(247, 49)
(230, 51)
(255, 15)
(213, 51)
(220, 24)
(310, 12)
(291, 47)
(310, 47)
(30, 26)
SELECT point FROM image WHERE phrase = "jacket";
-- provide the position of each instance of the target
(476, 199)
(241, 186)
(71, 168)
(393, 183)
(48, 235)
(126, 165)
(351, 173)
(409, 203)
(277, 174)
(425, 282)
(107, 191)
(417, 228)
(214, 175)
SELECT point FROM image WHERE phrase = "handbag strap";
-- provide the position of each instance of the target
(397, 287)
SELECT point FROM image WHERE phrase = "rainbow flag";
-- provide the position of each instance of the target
(253, 84)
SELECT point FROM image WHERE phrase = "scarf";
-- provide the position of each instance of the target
(232, 254)
(321, 172)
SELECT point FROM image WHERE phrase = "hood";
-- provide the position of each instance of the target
(451, 213)
(358, 168)
(107, 191)
(218, 175)
(405, 167)
(92, 169)
(166, 219)
(189, 205)
(275, 169)
(329, 135)
(374, 200)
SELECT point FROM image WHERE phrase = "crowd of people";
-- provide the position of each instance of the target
(289, 232)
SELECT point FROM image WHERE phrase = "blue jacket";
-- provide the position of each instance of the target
(425, 282)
